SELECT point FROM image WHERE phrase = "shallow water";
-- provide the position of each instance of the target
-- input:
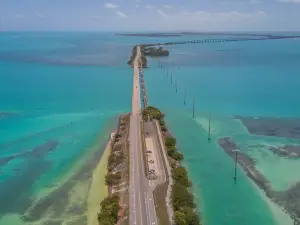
(69, 87)
(249, 79)
(73, 106)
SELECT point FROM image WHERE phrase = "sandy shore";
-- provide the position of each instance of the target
(98, 190)
(278, 202)
(279, 213)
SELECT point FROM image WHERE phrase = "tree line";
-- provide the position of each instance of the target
(185, 209)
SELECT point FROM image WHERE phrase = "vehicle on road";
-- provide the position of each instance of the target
(148, 151)
(151, 171)
(151, 161)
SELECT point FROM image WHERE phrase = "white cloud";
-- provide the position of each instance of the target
(96, 17)
(254, 1)
(149, 6)
(162, 13)
(18, 16)
(188, 20)
(167, 6)
(290, 1)
(38, 14)
(121, 14)
(110, 5)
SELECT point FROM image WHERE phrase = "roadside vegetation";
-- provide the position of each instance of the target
(154, 52)
(185, 211)
(117, 174)
(109, 210)
(133, 55)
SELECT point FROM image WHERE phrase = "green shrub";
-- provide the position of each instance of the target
(164, 129)
(181, 197)
(170, 141)
(109, 210)
(112, 179)
(177, 156)
(180, 176)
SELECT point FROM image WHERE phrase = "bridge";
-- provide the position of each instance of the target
(219, 40)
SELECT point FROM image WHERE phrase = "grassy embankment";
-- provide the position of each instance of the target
(182, 199)
(117, 176)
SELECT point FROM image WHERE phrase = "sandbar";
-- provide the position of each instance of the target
(288, 199)
(98, 190)
(276, 127)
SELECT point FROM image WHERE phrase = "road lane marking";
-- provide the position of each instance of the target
(147, 208)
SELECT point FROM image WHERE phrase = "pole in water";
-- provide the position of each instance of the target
(235, 167)
(171, 77)
(209, 128)
(184, 101)
(194, 108)
(176, 86)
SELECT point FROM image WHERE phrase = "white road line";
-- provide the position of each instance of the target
(147, 208)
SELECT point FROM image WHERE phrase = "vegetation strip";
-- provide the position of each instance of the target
(182, 199)
(161, 193)
(113, 207)
(144, 149)
(147, 50)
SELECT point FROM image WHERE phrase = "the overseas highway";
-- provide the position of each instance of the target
(141, 203)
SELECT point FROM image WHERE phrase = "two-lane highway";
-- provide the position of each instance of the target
(141, 205)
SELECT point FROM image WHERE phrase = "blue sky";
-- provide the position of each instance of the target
(131, 15)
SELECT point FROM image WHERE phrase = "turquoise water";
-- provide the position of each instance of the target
(50, 92)
(61, 92)
(227, 79)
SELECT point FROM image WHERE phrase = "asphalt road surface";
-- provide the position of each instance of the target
(141, 204)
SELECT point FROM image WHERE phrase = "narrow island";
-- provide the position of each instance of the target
(147, 50)
(133, 55)
(154, 52)
(182, 199)
(288, 199)
(114, 208)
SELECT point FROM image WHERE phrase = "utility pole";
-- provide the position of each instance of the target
(194, 108)
(184, 101)
(209, 128)
(235, 166)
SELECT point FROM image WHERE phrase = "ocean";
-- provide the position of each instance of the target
(59, 102)
(257, 79)
(60, 95)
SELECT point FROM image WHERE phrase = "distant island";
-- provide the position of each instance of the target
(151, 34)
(152, 51)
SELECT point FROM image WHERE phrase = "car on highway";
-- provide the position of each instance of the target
(151, 171)
(148, 151)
